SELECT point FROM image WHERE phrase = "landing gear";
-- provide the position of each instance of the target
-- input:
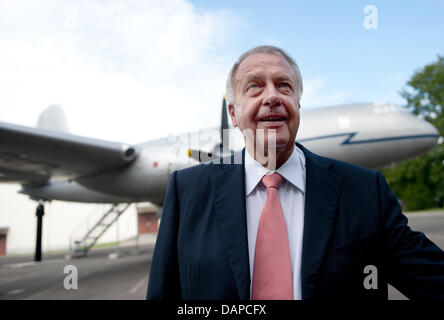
(38, 244)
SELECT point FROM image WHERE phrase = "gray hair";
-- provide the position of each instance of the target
(230, 93)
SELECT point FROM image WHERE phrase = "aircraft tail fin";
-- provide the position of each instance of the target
(53, 118)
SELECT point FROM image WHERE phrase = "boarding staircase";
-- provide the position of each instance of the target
(94, 233)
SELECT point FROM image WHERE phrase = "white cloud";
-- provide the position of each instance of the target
(122, 70)
(316, 95)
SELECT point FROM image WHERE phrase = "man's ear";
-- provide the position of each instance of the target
(232, 114)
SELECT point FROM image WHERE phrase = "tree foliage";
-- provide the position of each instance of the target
(419, 182)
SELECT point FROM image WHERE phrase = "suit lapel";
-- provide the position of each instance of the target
(228, 187)
(322, 194)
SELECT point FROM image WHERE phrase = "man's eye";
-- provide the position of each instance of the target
(253, 86)
(285, 85)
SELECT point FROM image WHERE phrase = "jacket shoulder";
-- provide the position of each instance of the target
(350, 170)
(199, 170)
(196, 179)
(338, 167)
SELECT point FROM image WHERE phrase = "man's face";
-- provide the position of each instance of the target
(266, 98)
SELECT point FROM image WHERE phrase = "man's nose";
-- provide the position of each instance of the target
(271, 98)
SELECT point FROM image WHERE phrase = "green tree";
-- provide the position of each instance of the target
(419, 182)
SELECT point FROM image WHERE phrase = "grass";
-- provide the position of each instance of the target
(58, 251)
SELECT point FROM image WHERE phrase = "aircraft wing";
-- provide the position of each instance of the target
(33, 155)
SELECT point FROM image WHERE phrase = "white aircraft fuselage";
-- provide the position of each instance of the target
(367, 135)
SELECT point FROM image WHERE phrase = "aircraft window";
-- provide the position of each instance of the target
(385, 108)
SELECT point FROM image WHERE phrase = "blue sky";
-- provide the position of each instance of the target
(328, 40)
(153, 68)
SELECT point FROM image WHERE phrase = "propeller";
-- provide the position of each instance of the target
(225, 142)
(218, 148)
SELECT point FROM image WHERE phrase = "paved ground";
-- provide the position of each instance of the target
(100, 277)
(432, 224)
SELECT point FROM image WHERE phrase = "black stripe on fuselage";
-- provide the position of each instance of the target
(350, 135)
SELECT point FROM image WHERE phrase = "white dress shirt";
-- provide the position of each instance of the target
(292, 196)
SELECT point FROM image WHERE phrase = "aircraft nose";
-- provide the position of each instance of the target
(427, 135)
(428, 127)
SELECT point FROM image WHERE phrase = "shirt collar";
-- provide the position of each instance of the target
(293, 171)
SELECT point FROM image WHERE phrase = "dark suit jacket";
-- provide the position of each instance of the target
(352, 220)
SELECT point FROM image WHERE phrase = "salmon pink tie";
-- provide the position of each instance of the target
(272, 275)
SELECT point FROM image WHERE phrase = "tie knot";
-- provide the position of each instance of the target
(272, 180)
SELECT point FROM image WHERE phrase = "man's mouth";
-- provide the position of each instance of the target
(273, 118)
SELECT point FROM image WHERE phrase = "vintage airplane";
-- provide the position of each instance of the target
(52, 164)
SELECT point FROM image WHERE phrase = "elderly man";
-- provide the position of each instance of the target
(285, 223)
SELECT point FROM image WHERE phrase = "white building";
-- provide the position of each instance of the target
(63, 222)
